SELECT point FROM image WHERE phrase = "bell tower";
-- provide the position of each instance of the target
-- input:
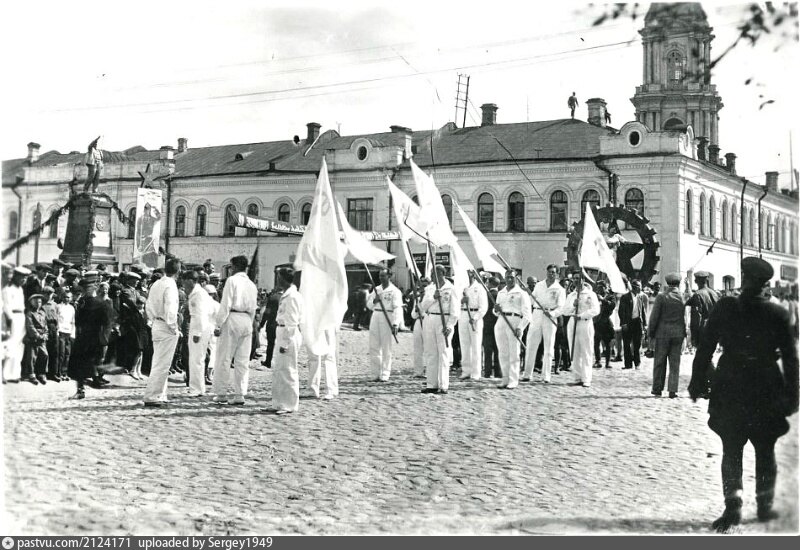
(676, 88)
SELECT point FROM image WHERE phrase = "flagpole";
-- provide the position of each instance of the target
(502, 313)
(438, 284)
(519, 280)
(416, 281)
(380, 299)
(575, 322)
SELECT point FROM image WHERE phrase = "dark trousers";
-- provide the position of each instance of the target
(358, 318)
(37, 359)
(456, 343)
(64, 352)
(667, 349)
(271, 329)
(561, 355)
(52, 354)
(491, 358)
(606, 352)
(766, 468)
(632, 342)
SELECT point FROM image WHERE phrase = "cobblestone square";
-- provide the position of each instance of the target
(380, 459)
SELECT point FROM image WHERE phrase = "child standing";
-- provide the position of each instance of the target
(66, 333)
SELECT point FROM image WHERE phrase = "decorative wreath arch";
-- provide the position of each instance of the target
(626, 252)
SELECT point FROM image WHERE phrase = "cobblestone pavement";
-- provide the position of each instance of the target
(382, 458)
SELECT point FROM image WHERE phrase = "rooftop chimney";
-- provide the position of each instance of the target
(597, 111)
(489, 114)
(33, 152)
(772, 181)
(408, 134)
(313, 132)
(166, 152)
(183, 145)
(730, 162)
(713, 153)
(702, 143)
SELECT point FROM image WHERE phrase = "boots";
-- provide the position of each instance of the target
(764, 502)
(730, 517)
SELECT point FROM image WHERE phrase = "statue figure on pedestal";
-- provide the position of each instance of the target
(94, 162)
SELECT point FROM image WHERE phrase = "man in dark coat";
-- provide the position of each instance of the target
(132, 327)
(667, 331)
(633, 319)
(702, 303)
(270, 314)
(91, 318)
(491, 356)
(750, 395)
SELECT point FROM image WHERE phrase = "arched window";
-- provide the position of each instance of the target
(13, 223)
(728, 282)
(486, 212)
(516, 212)
(703, 214)
(675, 66)
(447, 202)
(558, 211)
(305, 213)
(634, 198)
(792, 238)
(200, 221)
(590, 197)
(725, 228)
(132, 222)
(781, 236)
(751, 226)
(52, 228)
(712, 217)
(766, 240)
(283, 213)
(180, 221)
(734, 223)
(252, 210)
(689, 226)
(229, 221)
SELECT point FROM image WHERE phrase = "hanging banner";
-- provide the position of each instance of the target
(148, 227)
(265, 224)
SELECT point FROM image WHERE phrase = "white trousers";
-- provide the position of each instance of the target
(380, 345)
(541, 328)
(12, 366)
(212, 353)
(582, 349)
(197, 363)
(233, 344)
(508, 351)
(164, 342)
(285, 379)
(327, 362)
(437, 353)
(471, 341)
(419, 347)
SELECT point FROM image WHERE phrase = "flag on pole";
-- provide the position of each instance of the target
(461, 265)
(319, 257)
(363, 250)
(483, 248)
(596, 254)
(408, 215)
(252, 269)
(434, 217)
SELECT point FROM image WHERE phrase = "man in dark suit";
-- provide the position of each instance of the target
(667, 330)
(702, 303)
(35, 284)
(633, 320)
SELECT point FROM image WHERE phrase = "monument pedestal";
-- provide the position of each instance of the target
(78, 232)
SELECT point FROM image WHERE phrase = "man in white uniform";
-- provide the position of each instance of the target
(14, 310)
(438, 335)
(201, 327)
(515, 304)
(581, 340)
(234, 326)
(382, 331)
(162, 310)
(326, 362)
(424, 287)
(286, 381)
(551, 297)
(211, 290)
(474, 304)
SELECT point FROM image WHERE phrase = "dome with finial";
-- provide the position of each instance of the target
(677, 14)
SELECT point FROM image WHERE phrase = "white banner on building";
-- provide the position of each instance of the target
(148, 227)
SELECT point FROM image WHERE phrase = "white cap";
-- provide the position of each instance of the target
(22, 270)
(211, 289)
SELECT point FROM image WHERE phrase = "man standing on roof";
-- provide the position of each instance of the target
(572, 103)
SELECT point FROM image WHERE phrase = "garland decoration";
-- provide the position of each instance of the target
(87, 252)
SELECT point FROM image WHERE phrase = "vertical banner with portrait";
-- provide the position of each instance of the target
(148, 227)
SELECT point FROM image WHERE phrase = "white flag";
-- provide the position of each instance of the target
(434, 216)
(409, 217)
(461, 265)
(323, 284)
(483, 248)
(596, 254)
(363, 250)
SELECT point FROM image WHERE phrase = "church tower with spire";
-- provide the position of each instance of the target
(676, 88)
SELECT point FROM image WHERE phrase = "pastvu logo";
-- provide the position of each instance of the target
(8, 543)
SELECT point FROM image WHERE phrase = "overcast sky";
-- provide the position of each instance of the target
(149, 72)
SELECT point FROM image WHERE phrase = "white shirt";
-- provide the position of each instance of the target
(162, 302)
(477, 301)
(418, 312)
(201, 312)
(13, 300)
(240, 294)
(290, 315)
(66, 319)
(392, 300)
(515, 302)
(450, 304)
(551, 297)
(588, 306)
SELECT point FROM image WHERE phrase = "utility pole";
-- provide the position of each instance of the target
(462, 97)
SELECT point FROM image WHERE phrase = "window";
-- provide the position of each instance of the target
(180, 221)
(252, 210)
(782, 247)
(591, 197)
(447, 202)
(359, 214)
(200, 221)
(751, 227)
(725, 228)
(792, 238)
(362, 153)
(486, 212)
(13, 222)
(132, 222)
(712, 217)
(305, 213)
(674, 67)
(688, 207)
(558, 211)
(516, 212)
(283, 213)
(53, 227)
(728, 282)
(634, 198)
(703, 214)
(769, 244)
(229, 221)
(734, 223)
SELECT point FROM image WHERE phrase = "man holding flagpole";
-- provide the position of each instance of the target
(474, 304)
(515, 304)
(423, 288)
(550, 297)
(581, 306)
(441, 311)
(383, 328)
